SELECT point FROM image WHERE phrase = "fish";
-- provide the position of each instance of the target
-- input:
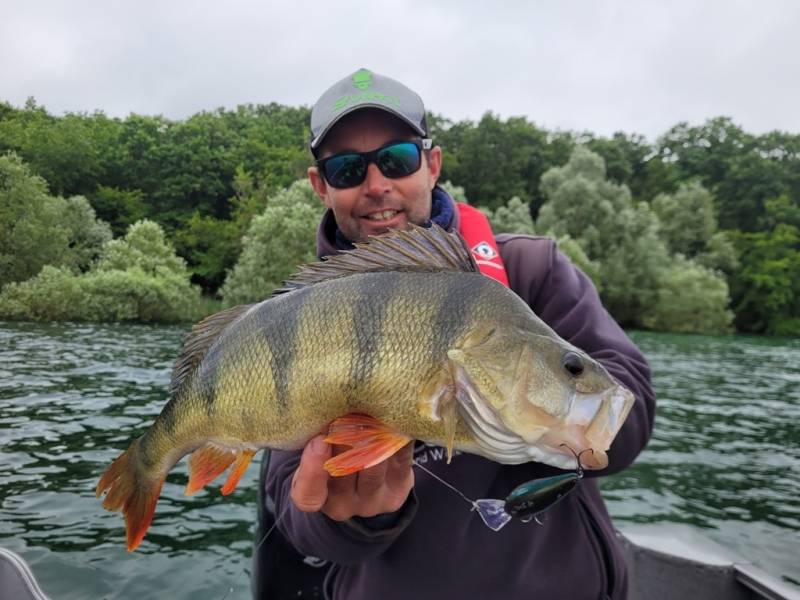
(400, 339)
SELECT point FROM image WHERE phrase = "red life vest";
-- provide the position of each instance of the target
(477, 232)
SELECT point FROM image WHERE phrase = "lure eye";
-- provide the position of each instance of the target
(573, 363)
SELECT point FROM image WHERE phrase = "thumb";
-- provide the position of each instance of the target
(310, 481)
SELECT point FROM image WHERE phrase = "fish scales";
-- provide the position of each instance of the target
(429, 347)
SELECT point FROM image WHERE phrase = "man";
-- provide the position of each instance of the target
(391, 532)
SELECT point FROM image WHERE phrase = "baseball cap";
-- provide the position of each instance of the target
(366, 89)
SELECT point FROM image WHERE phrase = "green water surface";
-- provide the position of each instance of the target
(725, 457)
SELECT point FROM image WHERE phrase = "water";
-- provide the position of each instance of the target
(724, 457)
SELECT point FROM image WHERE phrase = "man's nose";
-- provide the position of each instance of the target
(376, 182)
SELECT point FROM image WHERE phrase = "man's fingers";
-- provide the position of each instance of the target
(399, 474)
(310, 481)
(371, 480)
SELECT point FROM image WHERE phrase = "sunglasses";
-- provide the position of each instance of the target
(395, 159)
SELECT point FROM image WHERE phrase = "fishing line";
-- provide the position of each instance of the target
(491, 511)
(256, 548)
(456, 490)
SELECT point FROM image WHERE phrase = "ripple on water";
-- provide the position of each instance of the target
(724, 457)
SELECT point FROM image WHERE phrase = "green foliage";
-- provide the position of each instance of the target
(145, 246)
(137, 278)
(53, 295)
(766, 290)
(719, 254)
(276, 243)
(494, 160)
(87, 234)
(456, 192)
(204, 178)
(119, 208)
(687, 218)
(513, 217)
(691, 299)
(614, 232)
(743, 171)
(37, 229)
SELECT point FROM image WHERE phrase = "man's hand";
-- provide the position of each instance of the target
(379, 489)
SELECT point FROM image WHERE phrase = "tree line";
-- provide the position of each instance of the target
(697, 231)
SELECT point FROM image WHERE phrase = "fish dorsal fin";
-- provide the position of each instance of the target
(416, 249)
(199, 340)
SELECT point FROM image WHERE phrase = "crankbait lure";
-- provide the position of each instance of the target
(530, 499)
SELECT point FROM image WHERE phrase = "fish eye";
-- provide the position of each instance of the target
(573, 363)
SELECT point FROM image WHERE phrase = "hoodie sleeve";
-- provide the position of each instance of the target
(566, 299)
(314, 534)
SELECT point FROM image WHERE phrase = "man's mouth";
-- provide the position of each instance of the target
(383, 215)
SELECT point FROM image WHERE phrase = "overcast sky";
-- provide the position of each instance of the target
(605, 65)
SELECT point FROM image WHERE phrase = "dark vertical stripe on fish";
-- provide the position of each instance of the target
(372, 298)
(279, 334)
(460, 294)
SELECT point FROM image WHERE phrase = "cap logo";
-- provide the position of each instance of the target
(364, 97)
(362, 79)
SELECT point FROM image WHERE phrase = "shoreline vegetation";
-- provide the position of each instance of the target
(149, 220)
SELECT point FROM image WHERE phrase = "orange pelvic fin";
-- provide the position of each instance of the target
(371, 441)
(132, 492)
(206, 464)
(243, 458)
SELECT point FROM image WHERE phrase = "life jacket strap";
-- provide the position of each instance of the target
(477, 232)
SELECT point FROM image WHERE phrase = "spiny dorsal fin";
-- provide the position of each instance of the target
(417, 249)
(198, 342)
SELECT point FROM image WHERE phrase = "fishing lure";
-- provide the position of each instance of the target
(530, 499)
(525, 501)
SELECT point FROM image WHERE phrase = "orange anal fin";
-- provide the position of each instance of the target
(205, 465)
(243, 458)
(371, 441)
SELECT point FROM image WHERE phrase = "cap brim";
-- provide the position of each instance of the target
(317, 140)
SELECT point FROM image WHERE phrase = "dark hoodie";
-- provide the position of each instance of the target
(435, 547)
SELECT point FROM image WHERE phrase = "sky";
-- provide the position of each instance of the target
(638, 66)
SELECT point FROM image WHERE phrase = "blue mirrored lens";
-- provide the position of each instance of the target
(345, 170)
(398, 160)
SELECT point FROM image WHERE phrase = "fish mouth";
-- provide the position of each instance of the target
(590, 426)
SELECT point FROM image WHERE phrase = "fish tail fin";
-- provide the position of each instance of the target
(129, 489)
(371, 441)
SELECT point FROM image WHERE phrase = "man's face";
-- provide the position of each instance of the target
(378, 204)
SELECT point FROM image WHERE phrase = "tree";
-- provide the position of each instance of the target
(619, 235)
(37, 229)
(137, 278)
(687, 218)
(119, 208)
(87, 233)
(513, 217)
(766, 290)
(690, 299)
(278, 240)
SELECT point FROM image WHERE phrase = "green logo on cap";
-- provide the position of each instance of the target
(362, 79)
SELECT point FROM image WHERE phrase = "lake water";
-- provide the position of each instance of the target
(725, 457)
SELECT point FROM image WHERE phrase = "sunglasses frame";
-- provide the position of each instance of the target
(370, 158)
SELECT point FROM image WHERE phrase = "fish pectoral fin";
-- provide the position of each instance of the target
(243, 458)
(371, 442)
(206, 464)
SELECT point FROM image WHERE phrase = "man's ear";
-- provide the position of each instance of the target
(319, 185)
(434, 164)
